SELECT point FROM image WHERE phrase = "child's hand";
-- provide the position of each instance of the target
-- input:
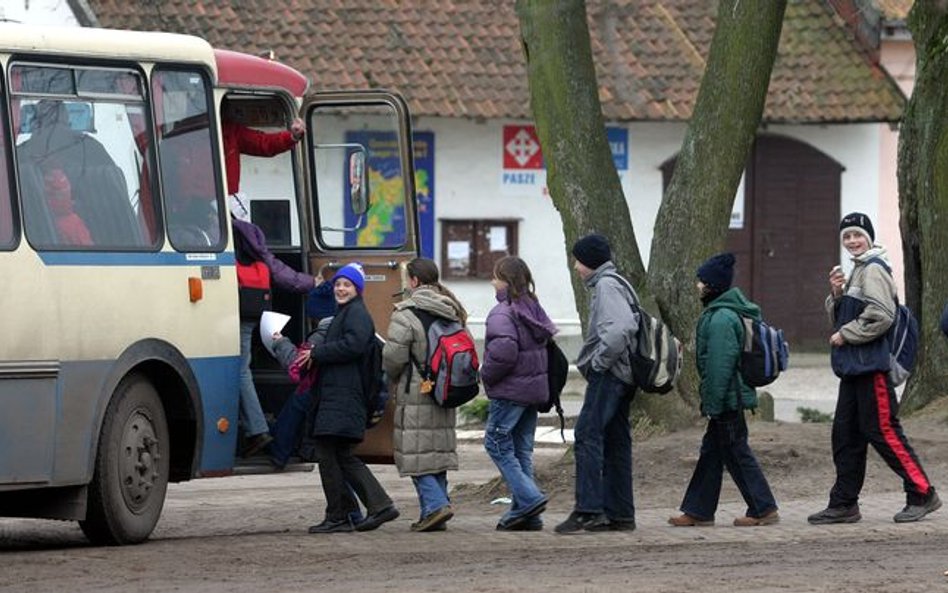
(277, 336)
(303, 359)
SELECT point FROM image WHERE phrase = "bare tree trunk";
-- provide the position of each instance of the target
(693, 219)
(581, 174)
(923, 198)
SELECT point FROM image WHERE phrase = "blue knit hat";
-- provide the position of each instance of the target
(321, 303)
(717, 272)
(353, 273)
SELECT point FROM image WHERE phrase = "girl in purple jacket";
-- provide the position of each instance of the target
(514, 374)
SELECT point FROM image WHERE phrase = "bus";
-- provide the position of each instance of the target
(119, 363)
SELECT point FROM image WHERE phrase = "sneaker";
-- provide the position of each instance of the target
(436, 519)
(621, 524)
(914, 512)
(256, 444)
(375, 520)
(831, 515)
(765, 519)
(331, 526)
(534, 510)
(528, 524)
(578, 522)
(686, 520)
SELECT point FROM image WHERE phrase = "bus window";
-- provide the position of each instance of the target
(185, 149)
(77, 157)
(333, 140)
(6, 209)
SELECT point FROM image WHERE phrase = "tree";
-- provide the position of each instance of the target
(923, 197)
(584, 185)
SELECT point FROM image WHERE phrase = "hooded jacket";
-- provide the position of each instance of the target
(863, 315)
(424, 437)
(515, 359)
(719, 341)
(611, 328)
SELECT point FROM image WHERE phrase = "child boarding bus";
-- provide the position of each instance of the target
(119, 361)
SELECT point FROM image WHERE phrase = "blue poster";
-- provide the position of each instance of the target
(385, 221)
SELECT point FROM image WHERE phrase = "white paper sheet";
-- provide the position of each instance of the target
(271, 322)
(498, 238)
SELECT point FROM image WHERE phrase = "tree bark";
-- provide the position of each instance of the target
(693, 219)
(923, 198)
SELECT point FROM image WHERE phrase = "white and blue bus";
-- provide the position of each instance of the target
(119, 359)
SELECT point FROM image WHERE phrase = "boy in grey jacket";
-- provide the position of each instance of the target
(603, 448)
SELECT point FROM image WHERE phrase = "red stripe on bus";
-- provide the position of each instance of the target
(892, 440)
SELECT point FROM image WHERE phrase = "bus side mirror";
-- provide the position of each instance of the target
(358, 183)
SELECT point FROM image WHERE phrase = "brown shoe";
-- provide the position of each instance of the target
(768, 519)
(686, 520)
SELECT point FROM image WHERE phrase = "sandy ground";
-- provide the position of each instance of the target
(249, 534)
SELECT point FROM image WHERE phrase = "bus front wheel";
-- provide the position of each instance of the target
(131, 467)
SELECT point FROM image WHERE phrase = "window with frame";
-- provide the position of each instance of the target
(7, 227)
(470, 248)
(189, 177)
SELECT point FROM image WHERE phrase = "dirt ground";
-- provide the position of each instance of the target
(249, 533)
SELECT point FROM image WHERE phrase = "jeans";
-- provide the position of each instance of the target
(508, 440)
(286, 431)
(603, 449)
(725, 445)
(432, 492)
(341, 472)
(251, 414)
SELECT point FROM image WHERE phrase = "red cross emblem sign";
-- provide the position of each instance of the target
(522, 148)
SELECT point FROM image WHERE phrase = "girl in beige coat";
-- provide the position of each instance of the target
(425, 438)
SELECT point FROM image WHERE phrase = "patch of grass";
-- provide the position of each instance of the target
(475, 411)
(813, 415)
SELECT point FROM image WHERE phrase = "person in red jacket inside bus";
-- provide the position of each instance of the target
(70, 228)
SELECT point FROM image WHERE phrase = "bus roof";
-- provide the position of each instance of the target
(106, 43)
(244, 70)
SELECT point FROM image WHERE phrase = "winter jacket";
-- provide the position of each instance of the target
(341, 408)
(515, 359)
(250, 245)
(425, 438)
(611, 327)
(719, 339)
(239, 140)
(863, 315)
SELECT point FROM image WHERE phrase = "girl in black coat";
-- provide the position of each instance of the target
(341, 411)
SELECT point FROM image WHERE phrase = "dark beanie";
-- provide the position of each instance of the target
(857, 221)
(717, 273)
(592, 251)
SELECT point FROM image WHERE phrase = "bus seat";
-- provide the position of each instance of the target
(101, 197)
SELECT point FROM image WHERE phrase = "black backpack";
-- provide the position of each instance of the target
(374, 383)
(557, 371)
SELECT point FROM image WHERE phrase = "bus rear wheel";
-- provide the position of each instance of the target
(128, 487)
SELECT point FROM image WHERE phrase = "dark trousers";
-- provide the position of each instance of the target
(867, 412)
(725, 446)
(603, 449)
(338, 466)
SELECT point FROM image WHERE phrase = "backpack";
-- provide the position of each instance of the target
(253, 281)
(557, 371)
(450, 370)
(656, 358)
(765, 353)
(902, 336)
(374, 383)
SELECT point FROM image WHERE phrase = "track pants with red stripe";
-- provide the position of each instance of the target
(867, 412)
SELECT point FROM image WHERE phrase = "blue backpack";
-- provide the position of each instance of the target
(765, 353)
(902, 337)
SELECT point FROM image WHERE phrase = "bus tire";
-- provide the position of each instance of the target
(130, 479)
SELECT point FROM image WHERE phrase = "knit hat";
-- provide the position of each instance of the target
(592, 251)
(320, 302)
(352, 272)
(859, 222)
(717, 272)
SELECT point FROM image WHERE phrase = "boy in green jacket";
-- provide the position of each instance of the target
(724, 397)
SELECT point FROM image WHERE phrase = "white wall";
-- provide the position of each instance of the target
(38, 12)
(468, 167)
